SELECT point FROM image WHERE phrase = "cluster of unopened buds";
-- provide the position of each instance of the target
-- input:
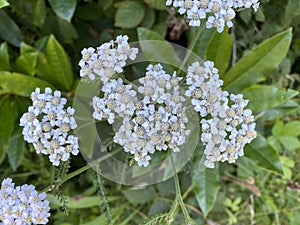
(226, 128)
(217, 13)
(47, 125)
(22, 204)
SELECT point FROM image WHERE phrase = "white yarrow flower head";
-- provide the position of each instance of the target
(221, 12)
(226, 125)
(22, 204)
(153, 117)
(48, 125)
(107, 59)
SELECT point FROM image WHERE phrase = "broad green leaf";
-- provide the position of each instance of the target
(64, 9)
(55, 66)
(90, 12)
(140, 195)
(39, 13)
(4, 57)
(201, 44)
(263, 155)
(67, 31)
(258, 62)
(219, 50)
(106, 4)
(156, 4)
(102, 220)
(9, 31)
(159, 49)
(206, 186)
(25, 48)
(160, 28)
(3, 3)
(7, 113)
(7, 118)
(277, 128)
(292, 9)
(274, 143)
(291, 129)
(149, 18)
(26, 63)
(79, 202)
(15, 150)
(289, 142)
(265, 97)
(130, 14)
(281, 110)
(20, 84)
(86, 129)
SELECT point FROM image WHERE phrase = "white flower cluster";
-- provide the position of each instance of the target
(22, 204)
(225, 128)
(107, 59)
(118, 99)
(47, 125)
(156, 121)
(217, 13)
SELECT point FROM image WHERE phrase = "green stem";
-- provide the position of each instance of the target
(81, 170)
(179, 200)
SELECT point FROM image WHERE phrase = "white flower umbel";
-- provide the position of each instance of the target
(118, 99)
(226, 128)
(48, 124)
(22, 204)
(107, 59)
(158, 121)
(217, 13)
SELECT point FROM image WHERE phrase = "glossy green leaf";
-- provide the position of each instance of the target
(219, 50)
(26, 63)
(258, 62)
(67, 31)
(265, 97)
(39, 13)
(156, 48)
(263, 155)
(20, 84)
(156, 4)
(4, 57)
(64, 9)
(290, 143)
(55, 66)
(9, 31)
(7, 118)
(3, 3)
(25, 48)
(130, 14)
(15, 150)
(206, 186)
